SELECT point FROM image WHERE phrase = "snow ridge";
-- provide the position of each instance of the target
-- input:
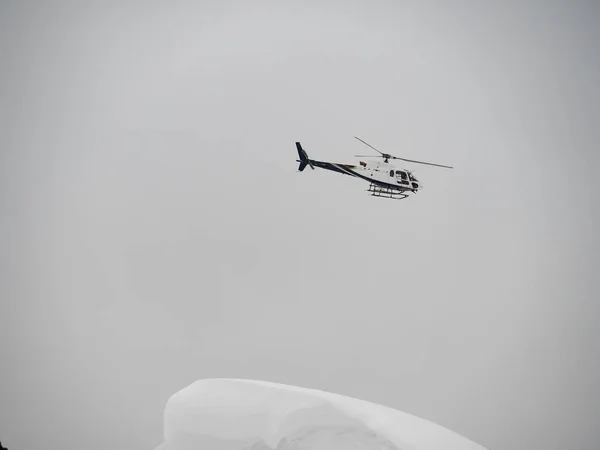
(233, 414)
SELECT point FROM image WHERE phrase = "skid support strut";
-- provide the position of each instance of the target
(380, 191)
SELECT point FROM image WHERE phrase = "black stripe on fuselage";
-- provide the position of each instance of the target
(347, 170)
(330, 166)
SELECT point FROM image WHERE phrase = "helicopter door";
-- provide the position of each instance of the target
(401, 177)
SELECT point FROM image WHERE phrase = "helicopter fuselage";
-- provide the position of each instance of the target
(379, 173)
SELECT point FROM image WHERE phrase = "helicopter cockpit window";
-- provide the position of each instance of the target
(401, 174)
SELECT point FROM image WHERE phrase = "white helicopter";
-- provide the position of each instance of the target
(385, 179)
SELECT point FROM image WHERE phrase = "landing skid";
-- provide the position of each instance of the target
(379, 191)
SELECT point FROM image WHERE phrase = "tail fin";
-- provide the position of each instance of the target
(303, 158)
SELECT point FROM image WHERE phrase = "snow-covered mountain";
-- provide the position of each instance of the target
(229, 414)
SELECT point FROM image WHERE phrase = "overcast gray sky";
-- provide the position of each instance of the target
(154, 230)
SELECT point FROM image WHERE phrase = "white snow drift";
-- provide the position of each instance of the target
(228, 414)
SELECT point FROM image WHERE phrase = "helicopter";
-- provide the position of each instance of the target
(385, 180)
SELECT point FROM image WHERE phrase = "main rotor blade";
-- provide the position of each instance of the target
(368, 145)
(421, 162)
(386, 155)
(368, 156)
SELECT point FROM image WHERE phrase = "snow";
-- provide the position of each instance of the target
(230, 414)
